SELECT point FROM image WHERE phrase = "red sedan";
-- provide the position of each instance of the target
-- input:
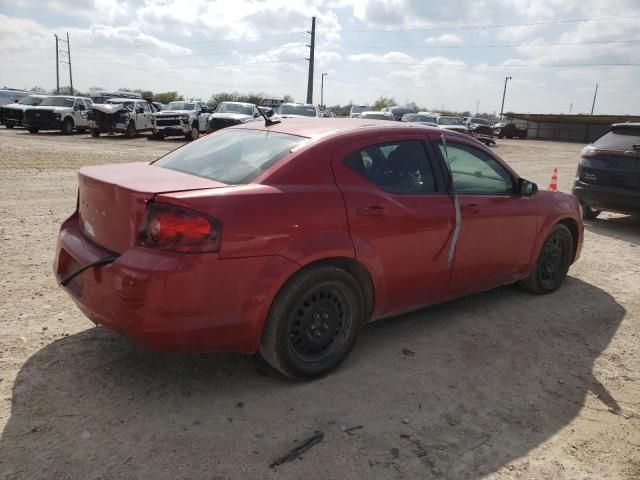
(284, 239)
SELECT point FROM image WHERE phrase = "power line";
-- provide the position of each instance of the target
(514, 45)
(482, 65)
(480, 27)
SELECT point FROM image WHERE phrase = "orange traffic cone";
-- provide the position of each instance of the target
(553, 185)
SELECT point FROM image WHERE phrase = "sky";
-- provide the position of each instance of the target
(452, 54)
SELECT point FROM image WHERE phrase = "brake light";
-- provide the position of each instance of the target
(178, 229)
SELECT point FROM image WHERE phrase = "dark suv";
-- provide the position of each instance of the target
(608, 176)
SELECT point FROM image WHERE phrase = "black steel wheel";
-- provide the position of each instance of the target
(194, 133)
(553, 262)
(313, 323)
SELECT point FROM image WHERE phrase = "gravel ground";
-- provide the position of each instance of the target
(501, 384)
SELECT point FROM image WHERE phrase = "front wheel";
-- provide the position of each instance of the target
(95, 133)
(553, 262)
(313, 323)
(34, 129)
(589, 213)
(193, 134)
(131, 130)
(67, 126)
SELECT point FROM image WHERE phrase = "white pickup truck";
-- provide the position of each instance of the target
(59, 113)
(187, 119)
(123, 115)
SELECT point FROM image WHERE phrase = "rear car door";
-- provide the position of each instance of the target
(400, 218)
(497, 226)
(146, 116)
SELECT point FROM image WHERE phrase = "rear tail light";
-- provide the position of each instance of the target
(178, 229)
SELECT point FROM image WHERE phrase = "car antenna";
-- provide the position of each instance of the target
(267, 121)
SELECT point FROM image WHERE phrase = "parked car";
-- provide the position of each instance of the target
(123, 115)
(297, 110)
(356, 110)
(376, 115)
(398, 111)
(11, 115)
(159, 106)
(608, 176)
(268, 111)
(10, 95)
(186, 119)
(285, 238)
(233, 113)
(455, 124)
(420, 118)
(59, 112)
(509, 130)
(272, 103)
(481, 130)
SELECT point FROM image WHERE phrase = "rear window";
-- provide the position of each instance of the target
(231, 156)
(619, 139)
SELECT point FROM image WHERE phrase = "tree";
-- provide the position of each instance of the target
(288, 99)
(38, 89)
(383, 102)
(166, 97)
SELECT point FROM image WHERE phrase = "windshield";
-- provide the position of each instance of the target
(375, 116)
(449, 121)
(621, 138)
(31, 100)
(127, 104)
(420, 118)
(234, 108)
(231, 156)
(57, 102)
(305, 110)
(181, 106)
(479, 121)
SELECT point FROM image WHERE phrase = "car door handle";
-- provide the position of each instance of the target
(372, 211)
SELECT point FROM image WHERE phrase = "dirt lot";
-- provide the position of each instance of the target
(503, 384)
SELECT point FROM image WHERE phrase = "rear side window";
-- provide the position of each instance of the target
(398, 167)
(231, 156)
(619, 139)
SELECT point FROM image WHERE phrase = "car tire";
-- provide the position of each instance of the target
(509, 136)
(589, 213)
(131, 130)
(81, 130)
(95, 133)
(67, 127)
(501, 135)
(553, 262)
(193, 134)
(313, 323)
(33, 129)
(9, 126)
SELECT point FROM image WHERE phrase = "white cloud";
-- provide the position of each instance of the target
(446, 39)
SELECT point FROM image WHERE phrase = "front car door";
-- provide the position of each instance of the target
(400, 218)
(203, 116)
(497, 226)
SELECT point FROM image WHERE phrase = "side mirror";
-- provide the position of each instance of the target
(527, 188)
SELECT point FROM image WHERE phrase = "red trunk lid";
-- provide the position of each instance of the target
(113, 198)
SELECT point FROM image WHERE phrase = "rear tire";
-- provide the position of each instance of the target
(67, 126)
(95, 133)
(589, 213)
(131, 130)
(9, 126)
(313, 323)
(33, 129)
(553, 262)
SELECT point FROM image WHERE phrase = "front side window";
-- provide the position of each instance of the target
(231, 156)
(31, 101)
(398, 167)
(57, 102)
(475, 172)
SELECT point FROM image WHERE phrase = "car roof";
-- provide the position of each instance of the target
(312, 127)
(626, 125)
(112, 100)
(246, 104)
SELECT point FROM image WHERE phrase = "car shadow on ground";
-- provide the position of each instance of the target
(452, 391)
(620, 227)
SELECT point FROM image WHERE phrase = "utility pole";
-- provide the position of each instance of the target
(322, 90)
(312, 48)
(57, 67)
(595, 94)
(69, 59)
(477, 107)
(504, 93)
(570, 108)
